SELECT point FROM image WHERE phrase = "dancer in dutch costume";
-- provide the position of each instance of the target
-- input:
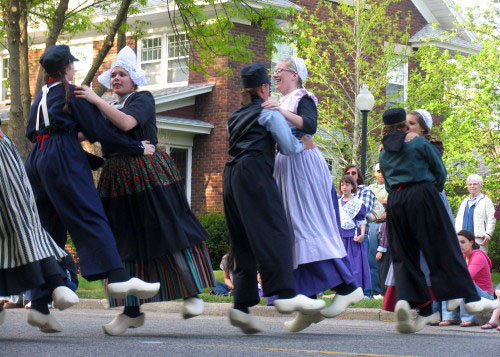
(158, 236)
(255, 216)
(305, 184)
(61, 177)
(417, 220)
(28, 255)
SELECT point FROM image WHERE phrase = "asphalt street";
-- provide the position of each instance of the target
(167, 334)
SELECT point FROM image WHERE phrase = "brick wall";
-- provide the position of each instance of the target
(210, 151)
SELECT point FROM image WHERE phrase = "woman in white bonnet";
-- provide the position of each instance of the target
(320, 259)
(158, 236)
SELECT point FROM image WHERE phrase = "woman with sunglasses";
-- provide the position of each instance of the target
(305, 184)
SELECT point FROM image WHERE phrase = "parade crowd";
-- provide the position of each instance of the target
(294, 234)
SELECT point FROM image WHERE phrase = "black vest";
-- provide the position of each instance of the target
(246, 136)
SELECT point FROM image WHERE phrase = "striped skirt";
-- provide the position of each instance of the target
(181, 274)
(26, 250)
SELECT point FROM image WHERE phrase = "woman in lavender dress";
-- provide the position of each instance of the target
(305, 184)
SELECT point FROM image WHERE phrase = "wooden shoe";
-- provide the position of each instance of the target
(246, 322)
(135, 287)
(64, 297)
(2, 315)
(452, 305)
(121, 323)
(341, 302)
(406, 324)
(301, 322)
(300, 303)
(482, 305)
(46, 323)
(192, 307)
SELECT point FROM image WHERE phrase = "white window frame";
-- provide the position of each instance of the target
(189, 163)
(283, 50)
(399, 76)
(85, 54)
(2, 80)
(164, 61)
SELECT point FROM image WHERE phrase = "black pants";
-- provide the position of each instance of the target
(383, 268)
(417, 220)
(258, 230)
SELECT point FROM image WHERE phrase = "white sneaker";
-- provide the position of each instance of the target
(2, 316)
(133, 286)
(46, 323)
(64, 297)
(192, 307)
(406, 324)
(341, 302)
(481, 305)
(299, 303)
(121, 323)
(246, 322)
(452, 305)
(301, 321)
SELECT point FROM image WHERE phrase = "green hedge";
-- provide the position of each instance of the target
(218, 241)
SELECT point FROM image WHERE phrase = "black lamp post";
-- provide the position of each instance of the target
(364, 102)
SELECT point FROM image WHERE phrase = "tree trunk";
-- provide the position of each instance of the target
(108, 42)
(55, 31)
(24, 146)
(12, 15)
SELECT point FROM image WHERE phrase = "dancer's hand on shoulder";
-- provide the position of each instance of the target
(308, 142)
(271, 104)
(149, 149)
(84, 92)
(410, 136)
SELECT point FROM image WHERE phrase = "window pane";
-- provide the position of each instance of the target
(153, 72)
(151, 49)
(394, 94)
(177, 70)
(5, 80)
(177, 46)
(180, 158)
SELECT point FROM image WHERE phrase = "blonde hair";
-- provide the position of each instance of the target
(290, 64)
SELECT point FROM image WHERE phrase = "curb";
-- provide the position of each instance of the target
(222, 308)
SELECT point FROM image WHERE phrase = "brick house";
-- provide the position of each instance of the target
(191, 109)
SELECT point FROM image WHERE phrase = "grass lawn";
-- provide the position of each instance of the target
(94, 290)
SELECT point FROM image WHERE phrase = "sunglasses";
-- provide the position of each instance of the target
(352, 173)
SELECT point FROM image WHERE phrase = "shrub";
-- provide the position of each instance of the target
(218, 241)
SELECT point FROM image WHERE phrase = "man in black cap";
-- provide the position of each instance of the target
(417, 220)
(255, 214)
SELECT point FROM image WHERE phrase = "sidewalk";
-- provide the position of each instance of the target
(221, 309)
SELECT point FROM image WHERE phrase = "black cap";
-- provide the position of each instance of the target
(394, 116)
(254, 75)
(56, 57)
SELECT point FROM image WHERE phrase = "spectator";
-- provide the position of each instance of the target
(378, 189)
(479, 266)
(476, 213)
(367, 197)
(495, 316)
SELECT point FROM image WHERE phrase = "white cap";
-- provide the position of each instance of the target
(301, 68)
(426, 116)
(127, 60)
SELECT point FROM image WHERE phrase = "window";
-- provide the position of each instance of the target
(397, 84)
(283, 50)
(84, 53)
(182, 156)
(5, 95)
(164, 58)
